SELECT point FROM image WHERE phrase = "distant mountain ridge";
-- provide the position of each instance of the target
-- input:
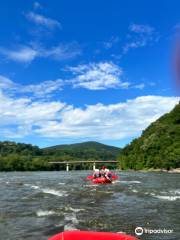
(84, 151)
(84, 145)
(158, 146)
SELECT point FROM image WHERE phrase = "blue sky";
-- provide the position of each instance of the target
(73, 71)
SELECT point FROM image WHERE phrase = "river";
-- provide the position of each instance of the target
(36, 205)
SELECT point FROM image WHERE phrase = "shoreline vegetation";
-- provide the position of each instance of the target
(25, 157)
(157, 150)
(175, 170)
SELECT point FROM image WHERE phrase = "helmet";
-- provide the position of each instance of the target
(103, 167)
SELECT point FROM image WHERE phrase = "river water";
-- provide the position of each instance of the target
(36, 205)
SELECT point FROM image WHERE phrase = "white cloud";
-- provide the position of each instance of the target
(22, 54)
(109, 122)
(139, 28)
(23, 113)
(140, 86)
(42, 89)
(43, 21)
(23, 117)
(140, 36)
(95, 76)
(26, 54)
(62, 51)
(111, 42)
(6, 83)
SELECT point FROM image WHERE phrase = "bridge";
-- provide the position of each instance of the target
(67, 163)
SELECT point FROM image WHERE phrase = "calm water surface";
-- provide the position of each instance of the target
(36, 205)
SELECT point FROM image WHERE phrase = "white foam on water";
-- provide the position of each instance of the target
(169, 198)
(71, 217)
(31, 186)
(61, 183)
(115, 182)
(134, 191)
(43, 213)
(72, 221)
(35, 187)
(166, 195)
(27, 184)
(74, 209)
(69, 227)
(176, 192)
(92, 185)
(54, 192)
(93, 190)
(130, 182)
(47, 190)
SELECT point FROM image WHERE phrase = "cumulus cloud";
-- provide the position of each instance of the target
(23, 113)
(109, 122)
(96, 76)
(43, 21)
(53, 119)
(92, 76)
(140, 36)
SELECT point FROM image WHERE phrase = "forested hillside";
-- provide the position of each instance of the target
(25, 157)
(83, 151)
(158, 147)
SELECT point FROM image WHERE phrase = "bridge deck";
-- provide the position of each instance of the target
(69, 162)
(73, 162)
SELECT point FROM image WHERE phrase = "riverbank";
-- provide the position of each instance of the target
(175, 170)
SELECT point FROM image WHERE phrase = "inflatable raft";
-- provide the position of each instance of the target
(101, 180)
(86, 235)
(114, 177)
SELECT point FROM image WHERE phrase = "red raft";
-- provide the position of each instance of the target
(101, 180)
(85, 235)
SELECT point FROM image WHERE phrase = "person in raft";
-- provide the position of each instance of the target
(106, 173)
(96, 173)
(103, 171)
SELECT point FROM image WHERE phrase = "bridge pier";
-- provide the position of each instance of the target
(94, 166)
(67, 167)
